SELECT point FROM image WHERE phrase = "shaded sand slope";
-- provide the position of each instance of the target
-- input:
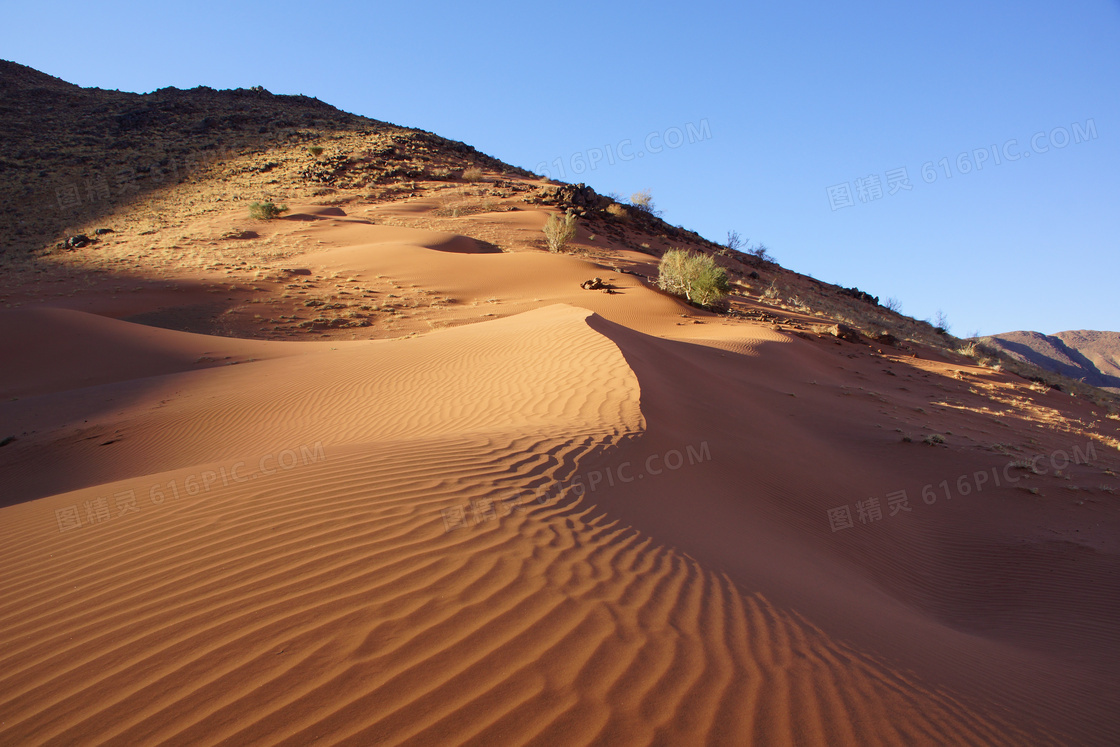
(534, 372)
(51, 349)
(977, 595)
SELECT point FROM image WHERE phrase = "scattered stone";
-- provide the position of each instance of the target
(336, 323)
(78, 241)
(859, 295)
(762, 316)
(886, 338)
(844, 332)
(596, 284)
(102, 231)
(576, 197)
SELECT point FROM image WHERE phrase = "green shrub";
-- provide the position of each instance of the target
(559, 231)
(265, 210)
(694, 277)
(315, 150)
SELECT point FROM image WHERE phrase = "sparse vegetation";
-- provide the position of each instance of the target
(761, 252)
(734, 241)
(737, 243)
(559, 231)
(797, 303)
(644, 201)
(472, 174)
(315, 150)
(618, 211)
(265, 210)
(695, 277)
(941, 322)
(933, 439)
(893, 304)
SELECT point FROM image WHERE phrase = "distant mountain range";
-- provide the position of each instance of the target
(1090, 356)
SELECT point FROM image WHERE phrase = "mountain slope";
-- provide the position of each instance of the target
(76, 155)
(1085, 355)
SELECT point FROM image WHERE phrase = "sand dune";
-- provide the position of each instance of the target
(346, 612)
(477, 535)
(511, 373)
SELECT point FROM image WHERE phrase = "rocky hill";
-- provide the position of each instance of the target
(74, 155)
(1085, 355)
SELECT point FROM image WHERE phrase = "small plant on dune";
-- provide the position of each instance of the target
(797, 303)
(970, 349)
(265, 210)
(472, 174)
(618, 211)
(559, 231)
(644, 201)
(694, 277)
(315, 150)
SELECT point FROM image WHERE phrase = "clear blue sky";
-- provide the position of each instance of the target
(785, 103)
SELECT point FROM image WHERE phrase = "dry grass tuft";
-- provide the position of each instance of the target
(559, 231)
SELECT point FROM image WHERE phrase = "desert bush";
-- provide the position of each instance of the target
(618, 211)
(737, 243)
(941, 322)
(969, 349)
(265, 210)
(694, 277)
(472, 174)
(761, 252)
(315, 150)
(644, 201)
(734, 241)
(559, 231)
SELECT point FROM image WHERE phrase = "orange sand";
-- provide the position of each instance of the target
(359, 541)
